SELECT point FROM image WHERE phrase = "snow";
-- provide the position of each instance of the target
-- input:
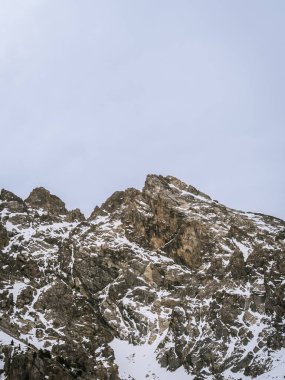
(187, 193)
(226, 248)
(2, 367)
(101, 219)
(32, 339)
(6, 339)
(139, 363)
(261, 224)
(71, 265)
(17, 289)
(243, 248)
(55, 229)
(277, 372)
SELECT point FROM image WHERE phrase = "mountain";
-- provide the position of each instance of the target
(163, 283)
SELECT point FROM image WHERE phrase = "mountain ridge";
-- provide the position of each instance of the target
(87, 215)
(197, 285)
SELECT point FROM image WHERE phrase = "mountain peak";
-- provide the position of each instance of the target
(8, 196)
(155, 183)
(11, 201)
(42, 198)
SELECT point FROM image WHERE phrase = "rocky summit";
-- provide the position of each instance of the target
(163, 283)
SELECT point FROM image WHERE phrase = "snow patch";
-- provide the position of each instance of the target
(17, 289)
(243, 248)
(139, 362)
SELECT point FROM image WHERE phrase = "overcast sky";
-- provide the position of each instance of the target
(94, 95)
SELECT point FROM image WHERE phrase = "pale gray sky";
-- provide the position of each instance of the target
(96, 94)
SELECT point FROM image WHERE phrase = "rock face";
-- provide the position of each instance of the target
(195, 287)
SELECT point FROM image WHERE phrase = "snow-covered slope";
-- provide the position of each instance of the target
(163, 283)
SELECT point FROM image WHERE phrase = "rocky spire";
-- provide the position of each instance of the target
(12, 202)
(42, 198)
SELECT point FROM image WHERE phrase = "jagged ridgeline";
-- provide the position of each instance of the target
(163, 283)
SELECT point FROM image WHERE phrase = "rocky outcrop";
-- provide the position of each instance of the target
(75, 216)
(3, 236)
(33, 365)
(11, 202)
(42, 198)
(165, 267)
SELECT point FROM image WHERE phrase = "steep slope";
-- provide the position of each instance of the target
(163, 283)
